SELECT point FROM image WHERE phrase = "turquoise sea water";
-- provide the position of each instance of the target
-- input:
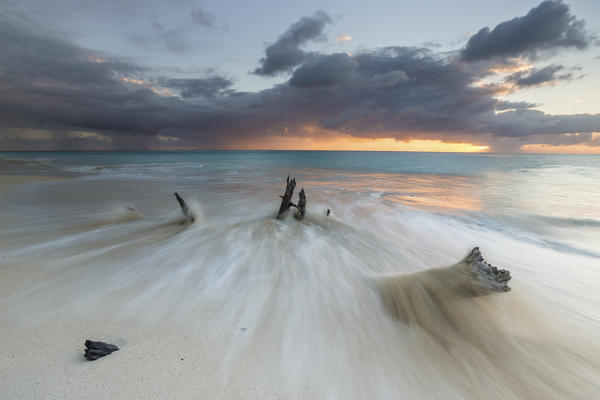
(366, 161)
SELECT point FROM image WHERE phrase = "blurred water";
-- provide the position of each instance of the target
(309, 294)
(554, 196)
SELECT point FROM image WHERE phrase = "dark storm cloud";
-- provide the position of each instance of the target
(568, 139)
(324, 70)
(27, 58)
(532, 122)
(286, 52)
(199, 87)
(513, 105)
(536, 77)
(49, 84)
(80, 98)
(403, 90)
(547, 27)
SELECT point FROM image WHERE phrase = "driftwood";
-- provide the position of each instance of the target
(301, 204)
(286, 199)
(485, 278)
(189, 214)
(95, 350)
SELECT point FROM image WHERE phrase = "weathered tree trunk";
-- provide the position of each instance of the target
(95, 350)
(286, 198)
(301, 204)
(189, 214)
(489, 279)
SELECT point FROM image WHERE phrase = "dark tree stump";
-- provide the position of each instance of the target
(95, 350)
(301, 204)
(189, 214)
(286, 198)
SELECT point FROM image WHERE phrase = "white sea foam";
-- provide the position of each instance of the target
(309, 298)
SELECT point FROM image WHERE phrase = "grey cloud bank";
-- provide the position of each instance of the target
(536, 77)
(53, 86)
(548, 27)
(286, 52)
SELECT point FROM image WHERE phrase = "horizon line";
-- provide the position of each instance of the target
(288, 150)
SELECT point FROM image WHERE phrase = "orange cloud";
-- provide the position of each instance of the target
(96, 60)
(162, 91)
(510, 68)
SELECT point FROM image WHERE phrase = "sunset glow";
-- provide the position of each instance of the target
(349, 143)
(571, 149)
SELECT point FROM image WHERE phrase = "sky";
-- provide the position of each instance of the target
(515, 76)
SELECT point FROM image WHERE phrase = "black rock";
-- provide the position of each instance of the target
(95, 350)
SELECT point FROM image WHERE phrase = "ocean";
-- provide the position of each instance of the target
(311, 298)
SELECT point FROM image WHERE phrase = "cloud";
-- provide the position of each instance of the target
(173, 39)
(203, 18)
(391, 92)
(526, 122)
(179, 38)
(343, 38)
(209, 87)
(541, 76)
(545, 28)
(285, 53)
(432, 44)
(513, 105)
(63, 87)
(324, 70)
